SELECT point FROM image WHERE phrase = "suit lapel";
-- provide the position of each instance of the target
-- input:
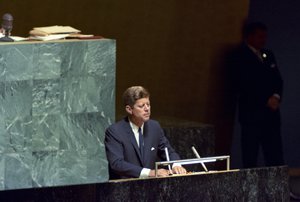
(253, 55)
(133, 140)
(147, 141)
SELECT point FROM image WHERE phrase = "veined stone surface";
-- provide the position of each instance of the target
(56, 99)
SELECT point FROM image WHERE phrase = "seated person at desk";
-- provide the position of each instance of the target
(134, 143)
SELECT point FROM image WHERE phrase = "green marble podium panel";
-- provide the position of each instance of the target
(56, 99)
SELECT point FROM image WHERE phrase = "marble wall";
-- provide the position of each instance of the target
(56, 99)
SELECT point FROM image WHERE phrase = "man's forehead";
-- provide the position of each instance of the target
(142, 100)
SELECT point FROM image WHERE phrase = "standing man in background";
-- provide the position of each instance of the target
(134, 144)
(259, 86)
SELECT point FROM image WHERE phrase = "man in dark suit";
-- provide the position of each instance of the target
(134, 144)
(259, 86)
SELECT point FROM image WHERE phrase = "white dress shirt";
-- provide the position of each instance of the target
(135, 129)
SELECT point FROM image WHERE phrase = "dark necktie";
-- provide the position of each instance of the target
(141, 143)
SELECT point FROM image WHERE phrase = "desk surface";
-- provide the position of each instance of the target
(177, 175)
(53, 41)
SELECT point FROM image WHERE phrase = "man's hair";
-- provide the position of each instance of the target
(134, 93)
(251, 28)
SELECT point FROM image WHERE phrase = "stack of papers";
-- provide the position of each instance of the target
(18, 38)
(15, 38)
(52, 32)
(49, 37)
(45, 31)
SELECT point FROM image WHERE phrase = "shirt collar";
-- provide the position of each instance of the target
(135, 128)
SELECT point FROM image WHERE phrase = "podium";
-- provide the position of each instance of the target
(261, 184)
(56, 99)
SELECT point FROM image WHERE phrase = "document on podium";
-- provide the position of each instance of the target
(15, 38)
(51, 30)
(49, 37)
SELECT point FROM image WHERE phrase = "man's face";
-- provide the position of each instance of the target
(141, 110)
(258, 39)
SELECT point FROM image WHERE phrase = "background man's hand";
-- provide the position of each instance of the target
(178, 170)
(273, 103)
(160, 173)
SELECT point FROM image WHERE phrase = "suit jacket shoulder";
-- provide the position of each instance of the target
(124, 124)
(153, 124)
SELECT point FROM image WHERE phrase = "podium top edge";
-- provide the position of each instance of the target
(54, 41)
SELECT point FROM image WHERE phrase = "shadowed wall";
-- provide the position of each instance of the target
(174, 48)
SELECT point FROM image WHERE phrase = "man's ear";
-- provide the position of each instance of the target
(128, 109)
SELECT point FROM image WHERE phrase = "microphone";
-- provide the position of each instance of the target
(198, 156)
(168, 159)
(7, 25)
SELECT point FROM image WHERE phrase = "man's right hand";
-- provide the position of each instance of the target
(160, 173)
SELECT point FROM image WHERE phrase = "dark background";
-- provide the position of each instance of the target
(177, 48)
(282, 19)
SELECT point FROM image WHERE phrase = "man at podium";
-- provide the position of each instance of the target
(135, 143)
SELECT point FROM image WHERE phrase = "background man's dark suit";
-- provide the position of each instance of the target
(256, 81)
(123, 152)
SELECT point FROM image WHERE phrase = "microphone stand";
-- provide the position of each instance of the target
(168, 159)
(6, 37)
(198, 156)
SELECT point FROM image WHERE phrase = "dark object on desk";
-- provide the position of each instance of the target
(7, 25)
